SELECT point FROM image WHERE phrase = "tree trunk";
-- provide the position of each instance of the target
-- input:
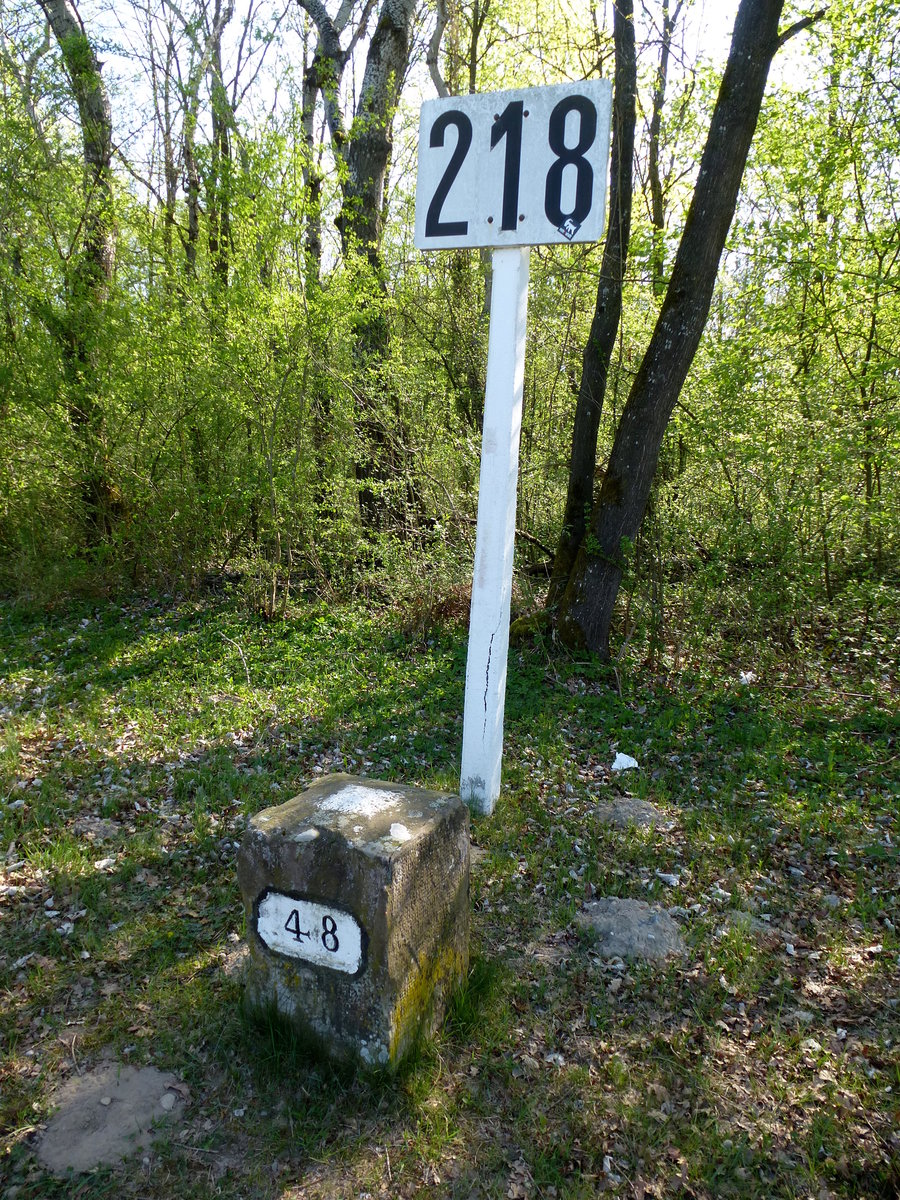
(587, 607)
(605, 324)
(657, 196)
(218, 188)
(365, 151)
(91, 270)
(368, 146)
(312, 180)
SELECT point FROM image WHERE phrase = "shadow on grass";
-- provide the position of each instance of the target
(334, 688)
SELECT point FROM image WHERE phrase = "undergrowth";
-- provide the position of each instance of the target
(138, 737)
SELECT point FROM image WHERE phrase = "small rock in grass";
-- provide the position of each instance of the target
(628, 811)
(631, 929)
(832, 901)
(748, 923)
(98, 828)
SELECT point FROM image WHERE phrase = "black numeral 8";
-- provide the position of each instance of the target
(329, 934)
(570, 156)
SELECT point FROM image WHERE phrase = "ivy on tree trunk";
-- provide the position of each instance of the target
(90, 271)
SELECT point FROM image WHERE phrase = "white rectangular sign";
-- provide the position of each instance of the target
(516, 168)
(319, 933)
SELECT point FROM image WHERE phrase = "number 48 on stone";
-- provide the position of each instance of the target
(329, 936)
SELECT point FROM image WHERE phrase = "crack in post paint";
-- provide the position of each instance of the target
(487, 676)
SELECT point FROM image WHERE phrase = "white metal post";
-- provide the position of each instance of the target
(482, 748)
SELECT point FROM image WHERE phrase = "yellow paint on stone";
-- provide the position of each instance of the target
(435, 981)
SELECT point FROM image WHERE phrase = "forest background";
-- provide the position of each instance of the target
(221, 356)
(225, 369)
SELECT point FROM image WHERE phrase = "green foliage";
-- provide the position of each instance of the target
(303, 424)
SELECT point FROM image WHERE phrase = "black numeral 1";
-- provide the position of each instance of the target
(509, 126)
(573, 156)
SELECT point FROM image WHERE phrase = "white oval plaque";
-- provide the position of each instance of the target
(318, 933)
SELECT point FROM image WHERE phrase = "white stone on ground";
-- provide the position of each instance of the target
(632, 929)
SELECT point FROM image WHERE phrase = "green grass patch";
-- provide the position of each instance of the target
(138, 738)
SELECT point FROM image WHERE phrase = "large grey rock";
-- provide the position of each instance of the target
(357, 902)
(108, 1114)
(632, 929)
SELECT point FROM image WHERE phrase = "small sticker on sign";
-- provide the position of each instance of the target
(569, 228)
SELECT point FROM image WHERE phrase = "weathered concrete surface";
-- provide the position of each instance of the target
(396, 859)
(632, 929)
(107, 1115)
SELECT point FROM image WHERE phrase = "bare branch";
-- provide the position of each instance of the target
(329, 35)
(799, 26)
(361, 28)
(324, 72)
(25, 81)
(344, 13)
(434, 47)
(238, 97)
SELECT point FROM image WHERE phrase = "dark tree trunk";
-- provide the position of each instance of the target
(90, 271)
(218, 190)
(365, 149)
(368, 148)
(312, 179)
(193, 199)
(657, 197)
(605, 324)
(587, 606)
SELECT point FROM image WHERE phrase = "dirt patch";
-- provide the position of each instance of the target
(109, 1114)
(626, 811)
(98, 829)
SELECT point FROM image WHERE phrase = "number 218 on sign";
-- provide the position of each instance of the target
(514, 168)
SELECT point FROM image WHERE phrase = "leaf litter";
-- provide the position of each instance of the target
(626, 1079)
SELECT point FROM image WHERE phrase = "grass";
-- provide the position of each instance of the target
(136, 739)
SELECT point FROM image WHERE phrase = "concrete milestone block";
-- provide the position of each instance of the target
(357, 901)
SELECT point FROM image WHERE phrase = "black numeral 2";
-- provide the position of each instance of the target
(434, 226)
